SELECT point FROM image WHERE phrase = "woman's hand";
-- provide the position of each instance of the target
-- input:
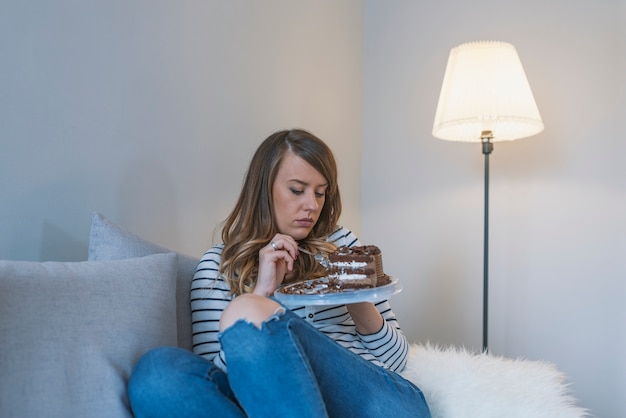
(275, 260)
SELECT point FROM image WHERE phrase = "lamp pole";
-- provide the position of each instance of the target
(485, 138)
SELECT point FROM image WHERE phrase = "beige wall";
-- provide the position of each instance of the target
(558, 200)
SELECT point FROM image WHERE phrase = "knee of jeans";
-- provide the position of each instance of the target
(151, 374)
(251, 308)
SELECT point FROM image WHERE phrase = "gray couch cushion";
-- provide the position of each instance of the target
(71, 332)
(109, 241)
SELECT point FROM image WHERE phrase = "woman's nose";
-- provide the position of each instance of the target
(311, 202)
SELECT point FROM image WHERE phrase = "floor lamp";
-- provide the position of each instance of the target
(485, 97)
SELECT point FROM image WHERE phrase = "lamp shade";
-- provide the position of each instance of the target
(485, 89)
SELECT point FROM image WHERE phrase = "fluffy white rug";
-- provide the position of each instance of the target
(458, 383)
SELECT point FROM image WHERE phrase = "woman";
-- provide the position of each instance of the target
(252, 356)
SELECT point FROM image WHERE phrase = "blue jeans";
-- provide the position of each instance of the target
(285, 369)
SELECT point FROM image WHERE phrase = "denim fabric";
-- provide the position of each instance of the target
(285, 369)
(173, 382)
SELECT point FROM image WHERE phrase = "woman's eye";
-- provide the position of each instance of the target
(318, 194)
(297, 192)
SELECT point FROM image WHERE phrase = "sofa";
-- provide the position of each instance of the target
(71, 333)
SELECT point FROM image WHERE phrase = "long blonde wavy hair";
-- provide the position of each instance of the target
(251, 224)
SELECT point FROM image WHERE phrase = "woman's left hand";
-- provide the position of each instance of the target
(275, 260)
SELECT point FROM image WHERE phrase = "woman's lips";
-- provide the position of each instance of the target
(307, 223)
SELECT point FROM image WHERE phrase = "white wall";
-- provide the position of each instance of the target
(149, 112)
(557, 223)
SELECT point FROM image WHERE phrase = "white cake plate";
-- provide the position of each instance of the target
(375, 294)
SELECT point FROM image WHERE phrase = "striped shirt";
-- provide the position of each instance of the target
(387, 348)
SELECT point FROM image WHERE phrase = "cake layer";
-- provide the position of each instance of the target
(360, 253)
(355, 266)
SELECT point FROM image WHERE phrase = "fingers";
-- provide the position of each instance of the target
(277, 257)
(275, 260)
(284, 243)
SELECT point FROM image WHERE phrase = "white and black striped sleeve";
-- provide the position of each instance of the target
(209, 297)
(389, 345)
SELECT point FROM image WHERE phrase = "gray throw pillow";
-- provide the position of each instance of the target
(109, 241)
(70, 332)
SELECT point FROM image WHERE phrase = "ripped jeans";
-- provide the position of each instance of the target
(285, 369)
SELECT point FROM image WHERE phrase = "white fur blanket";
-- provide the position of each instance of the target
(460, 384)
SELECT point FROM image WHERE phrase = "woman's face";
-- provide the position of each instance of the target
(299, 192)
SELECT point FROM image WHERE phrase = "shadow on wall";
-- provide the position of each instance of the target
(453, 301)
(148, 202)
(58, 245)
